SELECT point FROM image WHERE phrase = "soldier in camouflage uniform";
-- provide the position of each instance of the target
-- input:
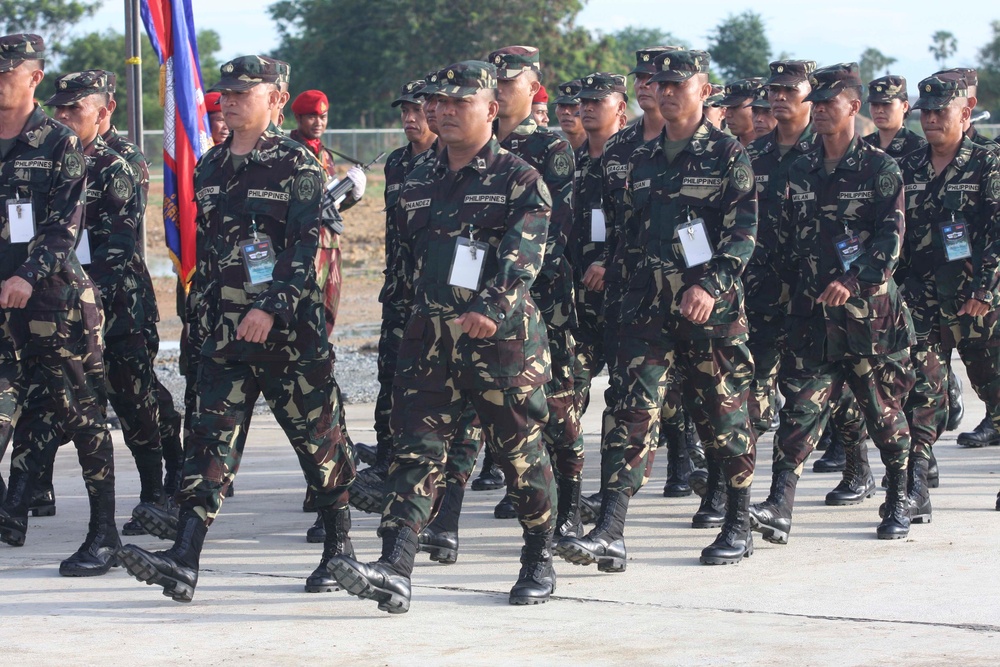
(736, 101)
(841, 230)
(261, 326)
(50, 314)
(952, 258)
(472, 226)
(763, 120)
(890, 107)
(568, 113)
(518, 71)
(690, 210)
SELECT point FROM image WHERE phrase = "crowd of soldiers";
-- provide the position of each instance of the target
(784, 274)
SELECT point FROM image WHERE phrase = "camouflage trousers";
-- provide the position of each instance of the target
(302, 397)
(763, 401)
(328, 275)
(132, 393)
(562, 434)
(389, 340)
(714, 378)
(426, 423)
(880, 386)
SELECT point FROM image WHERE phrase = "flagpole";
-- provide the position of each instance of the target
(133, 83)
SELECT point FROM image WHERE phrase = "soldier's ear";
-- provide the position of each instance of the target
(966, 113)
(493, 109)
(102, 114)
(535, 86)
(973, 101)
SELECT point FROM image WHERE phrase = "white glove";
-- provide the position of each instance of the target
(357, 176)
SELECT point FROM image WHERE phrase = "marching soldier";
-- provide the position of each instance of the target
(568, 113)
(890, 107)
(763, 120)
(737, 100)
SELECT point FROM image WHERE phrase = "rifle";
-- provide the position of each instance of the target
(337, 190)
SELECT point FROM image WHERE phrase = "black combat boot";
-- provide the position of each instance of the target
(984, 435)
(933, 474)
(834, 459)
(917, 490)
(387, 581)
(956, 404)
(368, 490)
(824, 440)
(336, 524)
(43, 500)
(735, 541)
(699, 482)
(150, 492)
(896, 522)
(695, 450)
(537, 579)
(14, 512)
(157, 519)
(712, 511)
(605, 544)
(490, 475)
(365, 453)
(857, 483)
(590, 507)
(568, 522)
(316, 533)
(679, 469)
(172, 479)
(773, 517)
(505, 509)
(175, 569)
(439, 538)
(98, 552)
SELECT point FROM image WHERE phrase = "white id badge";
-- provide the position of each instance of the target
(258, 259)
(83, 248)
(955, 235)
(21, 215)
(468, 263)
(694, 242)
(598, 226)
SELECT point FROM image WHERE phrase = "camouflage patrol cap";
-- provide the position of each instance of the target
(75, 86)
(112, 81)
(790, 72)
(245, 72)
(284, 71)
(737, 92)
(409, 92)
(680, 65)
(937, 91)
(430, 85)
(645, 58)
(466, 78)
(569, 92)
(969, 75)
(599, 85)
(828, 82)
(887, 88)
(714, 98)
(15, 49)
(760, 99)
(512, 61)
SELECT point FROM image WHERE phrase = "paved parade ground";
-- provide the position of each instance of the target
(833, 596)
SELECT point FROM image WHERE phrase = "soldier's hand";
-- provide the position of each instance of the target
(356, 175)
(697, 304)
(974, 307)
(255, 326)
(593, 279)
(477, 325)
(835, 294)
(15, 292)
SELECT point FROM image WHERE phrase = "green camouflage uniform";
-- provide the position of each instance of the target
(882, 91)
(503, 202)
(905, 142)
(276, 192)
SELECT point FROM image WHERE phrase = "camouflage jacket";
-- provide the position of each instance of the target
(46, 165)
(711, 179)
(277, 190)
(112, 223)
(904, 143)
(864, 195)
(135, 159)
(982, 140)
(582, 250)
(503, 202)
(935, 288)
(766, 301)
(552, 157)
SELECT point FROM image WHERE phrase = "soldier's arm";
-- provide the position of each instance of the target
(294, 264)
(520, 251)
(986, 281)
(120, 209)
(398, 295)
(57, 226)
(559, 179)
(881, 252)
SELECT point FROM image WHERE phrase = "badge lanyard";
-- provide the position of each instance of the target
(695, 245)
(258, 256)
(468, 262)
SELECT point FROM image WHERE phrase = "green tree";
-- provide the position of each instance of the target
(873, 64)
(360, 57)
(989, 73)
(52, 19)
(739, 47)
(106, 50)
(943, 46)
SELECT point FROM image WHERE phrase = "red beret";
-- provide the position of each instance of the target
(213, 102)
(310, 101)
(541, 97)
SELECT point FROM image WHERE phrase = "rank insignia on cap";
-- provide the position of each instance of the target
(590, 81)
(666, 63)
(451, 74)
(228, 68)
(927, 88)
(62, 85)
(781, 68)
(498, 60)
(645, 57)
(729, 90)
(409, 86)
(878, 88)
(567, 90)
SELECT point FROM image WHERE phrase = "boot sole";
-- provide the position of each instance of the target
(579, 556)
(132, 529)
(708, 524)
(833, 469)
(70, 571)
(716, 560)
(321, 588)
(156, 526)
(486, 486)
(504, 515)
(315, 539)
(521, 600)
(137, 566)
(892, 536)
(975, 444)
(364, 502)
(358, 586)
(677, 493)
(442, 555)
(769, 533)
(44, 510)
(12, 536)
(842, 502)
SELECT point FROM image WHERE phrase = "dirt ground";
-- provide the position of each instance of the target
(362, 245)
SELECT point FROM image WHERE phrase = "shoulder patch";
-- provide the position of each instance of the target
(307, 186)
(121, 187)
(995, 187)
(73, 165)
(742, 177)
(887, 182)
(543, 192)
(562, 165)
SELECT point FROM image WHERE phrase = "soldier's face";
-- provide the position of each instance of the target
(249, 109)
(763, 121)
(218, 127)
(739, 119)
(430, 112)
(835, 115)
(83, 117)
(414, 122)
(568, 116)
(889, 115)
(680, 101)
(600, 115)
(788, 102)
(464, 121)
(715, 116)
(514, 94)
(17, 87)
(945, 127)
(311, 125)
(645, 92)
(540, 112)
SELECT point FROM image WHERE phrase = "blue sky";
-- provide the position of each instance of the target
(803, 29)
